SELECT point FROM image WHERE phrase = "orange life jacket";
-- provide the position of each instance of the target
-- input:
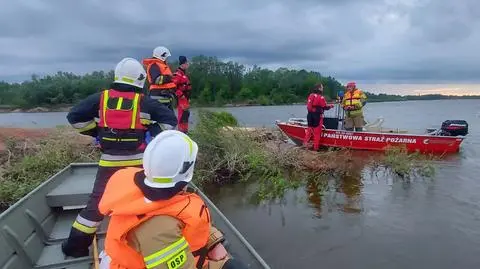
(120, 127)
(124, 203)
(352, 98)
(164, 71)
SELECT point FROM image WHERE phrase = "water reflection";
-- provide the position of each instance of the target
(351, 186)
(315, 188)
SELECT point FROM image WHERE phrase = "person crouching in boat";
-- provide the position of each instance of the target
(316, 104)
(353, 102)
(154, 221)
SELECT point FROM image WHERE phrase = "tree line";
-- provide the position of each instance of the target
(392, 97)
(214, 82)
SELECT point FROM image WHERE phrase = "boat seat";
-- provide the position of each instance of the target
(31, 231)
(75, 190)
(42, 246)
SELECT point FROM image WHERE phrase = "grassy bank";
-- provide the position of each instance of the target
(28, 160)
(227, 154)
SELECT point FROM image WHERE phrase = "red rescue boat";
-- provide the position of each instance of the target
(446, 139)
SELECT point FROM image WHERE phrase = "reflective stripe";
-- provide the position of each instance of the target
(84, 126)
(87, 222)
(109, 157)
(160, 97)
(135, 110)
(83, 228)
(126, 79)
(165, 126)
(106, 163)
(162, 180)
(119, 103)
(145, 121)
(165, 254)
(104, 112)
(120, 139)
(145, 115)
(159, 80)
(190, 144)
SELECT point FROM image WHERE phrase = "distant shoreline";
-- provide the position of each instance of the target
(38, 109)
(66, 108)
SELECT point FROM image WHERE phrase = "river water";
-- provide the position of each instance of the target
(365, 221)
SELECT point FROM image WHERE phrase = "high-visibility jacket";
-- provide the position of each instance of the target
(127, 207)
(162, 80)
(353, 102)
(120, 118)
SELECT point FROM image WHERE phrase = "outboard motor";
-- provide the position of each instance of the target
(454, 128)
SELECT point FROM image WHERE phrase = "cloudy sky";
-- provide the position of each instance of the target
(404, 46)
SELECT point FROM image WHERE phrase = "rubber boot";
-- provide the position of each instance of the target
(77, 244)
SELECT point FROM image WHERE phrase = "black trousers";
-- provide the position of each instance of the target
(313, 119)
(166, 97)
(87, 221)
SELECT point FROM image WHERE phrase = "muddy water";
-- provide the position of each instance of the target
(361, 221)
(365, 221)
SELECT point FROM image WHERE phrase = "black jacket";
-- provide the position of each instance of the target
(83, 115)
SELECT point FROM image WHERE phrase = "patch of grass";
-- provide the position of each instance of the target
(28, 164)
(406, 165)
(225, 154)
(229, 153)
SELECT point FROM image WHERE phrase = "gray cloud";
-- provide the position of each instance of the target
(368, 40)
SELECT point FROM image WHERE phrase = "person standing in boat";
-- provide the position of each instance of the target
(125, 115)
(184, 88)
(155, 222)
(316, 105)
(160, 77)
(353, 102)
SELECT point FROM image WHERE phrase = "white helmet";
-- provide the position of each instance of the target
(161, 53)
(130, 71)
(168, 159)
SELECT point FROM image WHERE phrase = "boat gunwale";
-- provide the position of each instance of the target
(377, 133)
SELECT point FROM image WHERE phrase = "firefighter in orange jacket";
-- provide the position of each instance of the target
(160, 77)
(125, 115)
(316, 105)
(154, 221)
(184, 88)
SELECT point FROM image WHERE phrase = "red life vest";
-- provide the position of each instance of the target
(120, 127)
